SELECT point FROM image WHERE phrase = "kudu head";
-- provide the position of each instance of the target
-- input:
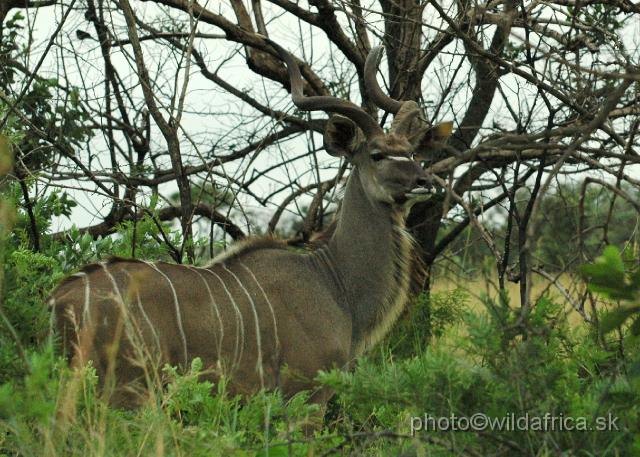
(389, 163)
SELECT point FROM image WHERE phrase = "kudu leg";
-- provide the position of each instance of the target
(315, 422)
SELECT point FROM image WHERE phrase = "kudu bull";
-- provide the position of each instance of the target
(260, 307)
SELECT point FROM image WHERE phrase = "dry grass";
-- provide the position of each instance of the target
(564, 289)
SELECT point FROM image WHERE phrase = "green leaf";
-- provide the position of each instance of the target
(635, 327)
(634, 369)
(606, 276)
(153, 202)
(85, 242)
(6, 159)
(278, 451)
(614, 319)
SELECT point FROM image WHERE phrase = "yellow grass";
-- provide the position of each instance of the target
(481, 286)
(478, 287)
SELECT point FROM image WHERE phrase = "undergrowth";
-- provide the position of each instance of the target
(442, 360)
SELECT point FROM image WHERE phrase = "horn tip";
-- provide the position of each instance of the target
(377, 52)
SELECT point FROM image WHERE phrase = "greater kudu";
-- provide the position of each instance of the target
(260, 307)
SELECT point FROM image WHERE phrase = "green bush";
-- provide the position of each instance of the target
(427, 317)
(52, 411)
(554, 370)
(29, 277)
(441, 360)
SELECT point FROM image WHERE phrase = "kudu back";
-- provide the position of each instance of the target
(261, 307)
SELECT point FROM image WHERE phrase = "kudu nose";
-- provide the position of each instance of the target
(423, 181)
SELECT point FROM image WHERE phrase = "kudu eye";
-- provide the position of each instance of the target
(419, 158)
(377, 156)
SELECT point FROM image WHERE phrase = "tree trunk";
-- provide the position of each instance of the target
(402, 42)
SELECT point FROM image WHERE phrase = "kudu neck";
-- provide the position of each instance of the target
(368, 248)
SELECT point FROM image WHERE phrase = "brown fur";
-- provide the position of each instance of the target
(259, 314)
(249, 245)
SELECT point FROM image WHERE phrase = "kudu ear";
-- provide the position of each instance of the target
(433, 140)
(341, 136)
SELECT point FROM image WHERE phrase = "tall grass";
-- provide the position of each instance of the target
(459, 351)
(470, 366)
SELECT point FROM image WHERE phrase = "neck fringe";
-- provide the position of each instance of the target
(408, 276)
(407, 279)
(246, 246)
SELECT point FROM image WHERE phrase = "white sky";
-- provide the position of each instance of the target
(204, 97)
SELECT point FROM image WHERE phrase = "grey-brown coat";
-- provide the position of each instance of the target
(262, 315)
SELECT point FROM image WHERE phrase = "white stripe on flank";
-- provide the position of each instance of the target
(273, 314)
(255, 315)
(52, 317)
(214, 307)
(116, 290)
(143, 312)
(239, 321)
(178, 314)
(113, 281)
(86, 312)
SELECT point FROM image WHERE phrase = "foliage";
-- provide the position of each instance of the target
(428, 317)
(29, 277)
(55, 412)
(607, 216)
(609, 276)
(7, 211)
(210, 194)
(556, 371)
(144, 238)
(616, 276)
(472, 364)
(44, 210)
(45, 408)
(442, 359)
(59, 121)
